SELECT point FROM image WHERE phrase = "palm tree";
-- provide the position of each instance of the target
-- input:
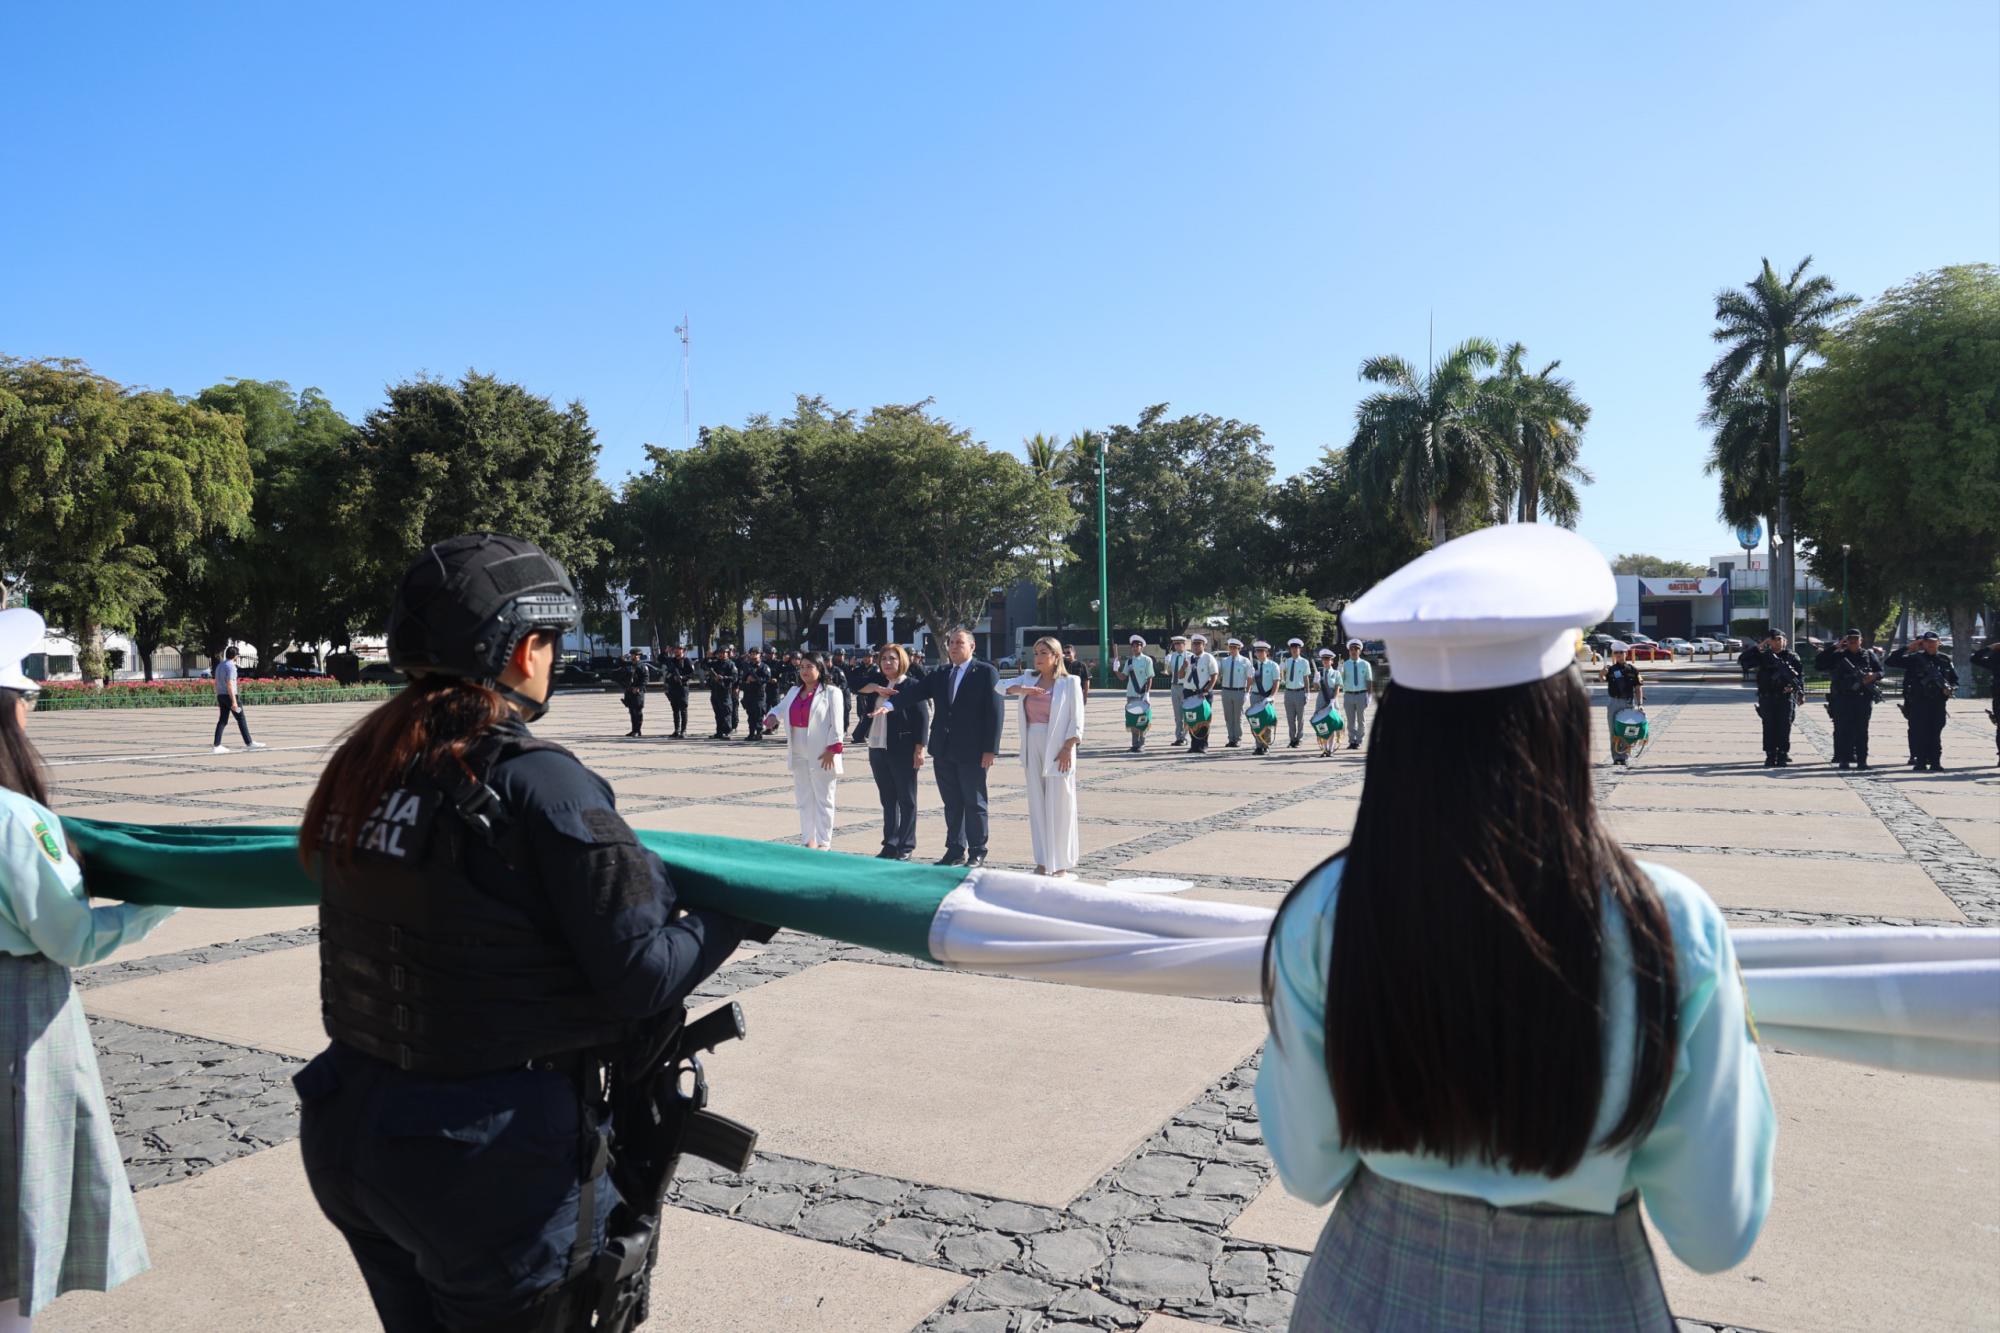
(1045, 458)
(1770, 325)
(1541, 420)
(1425, 445)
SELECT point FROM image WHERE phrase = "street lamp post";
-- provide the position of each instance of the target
(1103, 603)
(1845, 619)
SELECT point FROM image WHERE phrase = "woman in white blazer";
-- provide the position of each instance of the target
(810, 714)
(1051, 728)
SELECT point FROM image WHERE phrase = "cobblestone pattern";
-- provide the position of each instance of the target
(109, 973)
(183, 1104)
(1961, 874)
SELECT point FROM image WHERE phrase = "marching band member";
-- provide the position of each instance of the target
(1137, 672)
(1197, 684)
(1357, 684)
(1263, 689)
(1295, 673)
(1327, 722)
(1177, 660)
(1232, 677)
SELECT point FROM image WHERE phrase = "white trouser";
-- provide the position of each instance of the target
(1051, 805)
(812, 792)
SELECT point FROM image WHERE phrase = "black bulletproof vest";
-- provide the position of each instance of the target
(423, 968)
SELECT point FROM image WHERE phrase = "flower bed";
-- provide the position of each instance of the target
(65, 695)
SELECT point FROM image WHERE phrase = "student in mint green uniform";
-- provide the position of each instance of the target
(1493, 1039)
(65, 1205)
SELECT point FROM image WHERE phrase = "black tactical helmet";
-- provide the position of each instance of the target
(467, 603)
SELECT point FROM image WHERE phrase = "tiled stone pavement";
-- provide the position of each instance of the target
(1177, 1222)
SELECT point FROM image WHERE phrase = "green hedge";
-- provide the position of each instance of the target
(66, 701)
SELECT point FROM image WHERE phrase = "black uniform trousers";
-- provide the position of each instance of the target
(896, 783)
(677, 700)
(458, 1196)
(961, 785)
(1778, 711)
(1926, 716)
(754, 708)
(1851, 713)
(724, 702)
(635, 704)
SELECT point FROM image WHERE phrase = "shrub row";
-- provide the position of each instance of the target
(68, 695)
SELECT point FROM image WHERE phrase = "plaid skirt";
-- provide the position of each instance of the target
(1397, 1257)
(71, 1222)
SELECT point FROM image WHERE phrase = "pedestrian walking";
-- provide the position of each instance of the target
(1929, 679)
(1232, 679)
(1623, 688)
(1853, 684)
(1295, 677)
(1570, 1033)
(1052, 710)
(966, 719)
(1176, 665)
(1137, 673)
(810, 715)
(1357, 687)
(677, 673)
(895, 736)
(494, 941)
(70, 1222)
(229, 702)
(632, 680)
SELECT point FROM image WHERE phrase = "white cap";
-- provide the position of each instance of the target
(1326, 652)
(1494, 608)
(1178, 638)
(1261, 644)
(1354, 643)
(1295, 643)
(21, 632)
(1197, 638)
(1136, 638)
(1234, 643)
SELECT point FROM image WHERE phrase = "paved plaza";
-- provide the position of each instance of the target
(951, 1152)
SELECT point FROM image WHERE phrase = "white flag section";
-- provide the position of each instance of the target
(1917, 1000)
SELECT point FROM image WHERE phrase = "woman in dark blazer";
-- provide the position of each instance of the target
(895, 733)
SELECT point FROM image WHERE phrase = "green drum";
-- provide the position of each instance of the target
(1196, 711)
(1630, 725)
(1261, 718)
(1138, 715)
(1328, 722)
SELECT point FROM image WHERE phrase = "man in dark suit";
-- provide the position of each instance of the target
(965, 740)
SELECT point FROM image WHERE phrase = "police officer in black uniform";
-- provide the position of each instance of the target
(860, 675)
(1988, 659)
(1780, 681)
(721, 671)
(490, 932)
(677, 672)
(755, 680)
(632, 676)
(1854, 677)
(1929, 679)
(837, 674)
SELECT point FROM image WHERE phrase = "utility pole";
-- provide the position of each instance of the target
(1845, 619)
(687, 397)
(1103, 581)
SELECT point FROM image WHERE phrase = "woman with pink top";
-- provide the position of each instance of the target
(1051, 729)
(810, 715)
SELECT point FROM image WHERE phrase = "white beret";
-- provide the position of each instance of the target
(1295, 643)
(1493, 608)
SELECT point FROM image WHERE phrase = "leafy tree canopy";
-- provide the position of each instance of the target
(1655, 567)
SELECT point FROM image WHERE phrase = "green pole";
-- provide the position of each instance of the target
(1103, 581)
(1845, 619)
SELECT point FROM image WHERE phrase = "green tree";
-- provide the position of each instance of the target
(1045, 455)
(1539, 420)
(1290, 616)
(682, 536)
(1770, 326)
(964, 520)
(481, 455)
(1656, 567)
(1425, 446)
(1185, 500)
(1322, 538)
(809, 495)
(1900, 442)
(101, 484)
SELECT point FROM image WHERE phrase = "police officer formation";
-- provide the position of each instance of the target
(1854, 675)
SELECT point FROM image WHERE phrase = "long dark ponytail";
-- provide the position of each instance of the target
(1464, 1002)
(20, 763)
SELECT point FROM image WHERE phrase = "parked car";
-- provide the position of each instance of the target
(1709, 646)
(1602, 642)
(1650, 652)
(1732, 644)
(379, 673)
(1678, 645)
(1636, 637)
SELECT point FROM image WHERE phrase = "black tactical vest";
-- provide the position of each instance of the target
(423, 968)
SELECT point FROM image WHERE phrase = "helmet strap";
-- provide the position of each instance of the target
(532, 710)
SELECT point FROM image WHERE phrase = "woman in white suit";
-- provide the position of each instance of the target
(810, 714)
(1051, 728)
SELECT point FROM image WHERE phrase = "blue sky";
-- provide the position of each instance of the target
(1046, 216)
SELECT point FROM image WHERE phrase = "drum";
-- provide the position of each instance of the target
(1328, 722)
(1629, 725)
(1262, 717)
(1195, 711)
(1138, 714)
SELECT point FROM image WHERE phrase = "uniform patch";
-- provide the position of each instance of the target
(50, 847)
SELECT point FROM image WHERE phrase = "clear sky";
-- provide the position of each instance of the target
(1044, 215)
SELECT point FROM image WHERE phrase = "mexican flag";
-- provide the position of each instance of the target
(1914, 999)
